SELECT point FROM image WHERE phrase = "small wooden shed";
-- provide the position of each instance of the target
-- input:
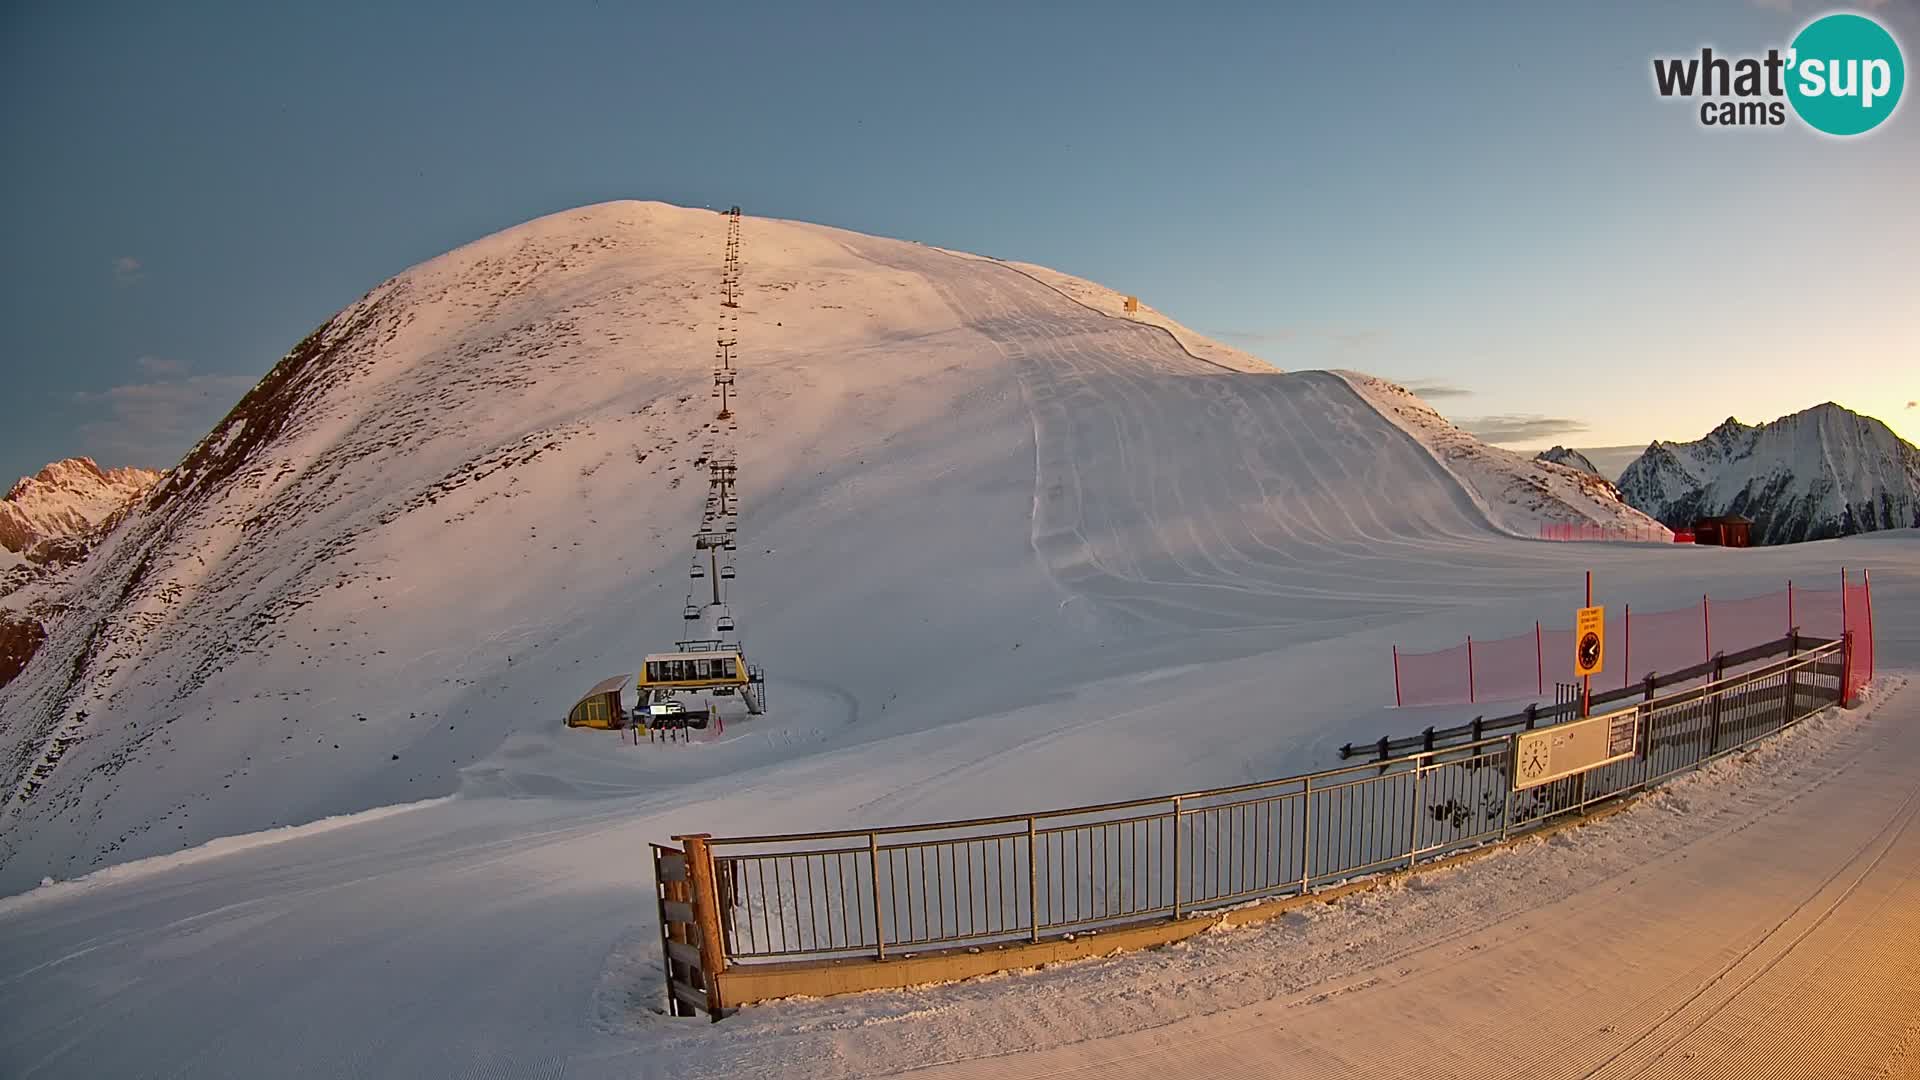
(1732, 530)
(600, 706)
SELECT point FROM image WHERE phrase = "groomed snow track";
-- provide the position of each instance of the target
(1190, 496)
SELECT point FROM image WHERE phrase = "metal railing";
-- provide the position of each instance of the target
(1540, 715)
(992, 880)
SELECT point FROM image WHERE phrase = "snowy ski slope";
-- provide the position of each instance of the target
(461, 502)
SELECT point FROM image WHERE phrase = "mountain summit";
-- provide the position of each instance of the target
(1572, 459)
(1820, 473)
(66, 500)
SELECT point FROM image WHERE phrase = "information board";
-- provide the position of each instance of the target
(1563, 750)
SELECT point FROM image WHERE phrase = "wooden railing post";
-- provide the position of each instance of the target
(706, 918)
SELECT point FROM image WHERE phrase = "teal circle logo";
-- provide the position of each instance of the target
(1845, 74)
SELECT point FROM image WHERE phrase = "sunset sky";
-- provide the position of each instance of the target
(1494, 207)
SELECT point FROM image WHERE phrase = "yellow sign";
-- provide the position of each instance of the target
(1590, 641)
(1552, 753)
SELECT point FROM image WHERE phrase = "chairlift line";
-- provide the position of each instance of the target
(715, 663)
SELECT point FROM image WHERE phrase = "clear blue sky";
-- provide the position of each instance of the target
(1488, 200)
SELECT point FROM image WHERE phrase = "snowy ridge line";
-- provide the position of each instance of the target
(1242, 844)
(1513, 492)
(1171, 336)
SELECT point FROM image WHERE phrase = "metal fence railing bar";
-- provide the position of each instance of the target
(993, 880)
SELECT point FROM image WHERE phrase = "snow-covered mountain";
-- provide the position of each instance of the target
(67, 500)
(1517, 493)
(48, 523)
(1820, 473)
(467, 497)
(1573, 459)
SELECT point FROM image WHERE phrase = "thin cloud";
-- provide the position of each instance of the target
(127, 270)
(161, 365)
(154, 423)
(1256, 337)
(1520, 427)
(1359, 339)
(1437, 390)
(1338, 339)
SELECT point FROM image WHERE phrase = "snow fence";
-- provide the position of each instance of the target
(1526, 666)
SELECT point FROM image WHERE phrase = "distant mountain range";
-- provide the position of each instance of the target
(1820, 473)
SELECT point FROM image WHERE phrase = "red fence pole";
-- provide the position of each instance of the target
(1470, 690)
(1396, 677)
(1866, 586)
(1539, 661)
(1626, 669)
(1790, 622)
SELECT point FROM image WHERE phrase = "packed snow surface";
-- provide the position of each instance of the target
(1001, 550)
(515, 936)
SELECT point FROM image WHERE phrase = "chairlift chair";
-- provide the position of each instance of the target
(724, 624)
(726, 572)
(696, 570)
(692, 611)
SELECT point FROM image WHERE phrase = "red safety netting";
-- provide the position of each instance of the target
(1508, 669)
(1586, 530)
(1556, 649)
(1817, 612)
(1660, 641)
(1743, 624)
(1527, 665)
(1435, 678)
(1858, 600)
